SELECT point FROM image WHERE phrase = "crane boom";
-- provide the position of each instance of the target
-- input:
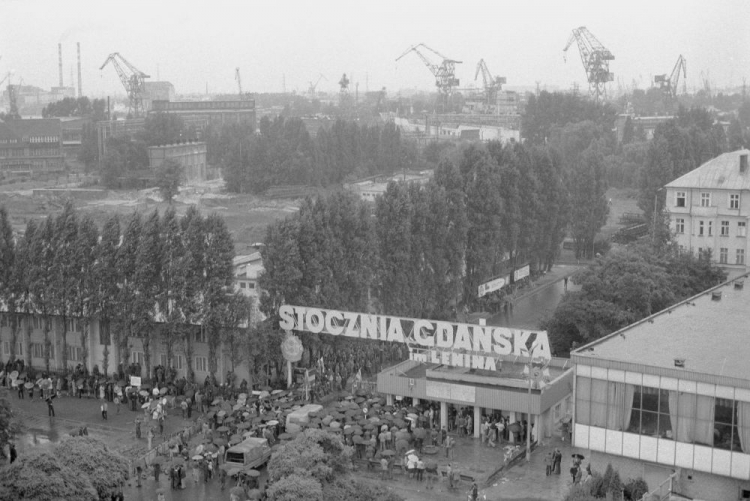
(132, 79)
(595, 58)
(670, 84)
(491, 84)
(444, 73)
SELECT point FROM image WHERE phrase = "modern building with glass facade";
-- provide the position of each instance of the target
(668, 398)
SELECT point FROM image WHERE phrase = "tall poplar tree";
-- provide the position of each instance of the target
(106, 283)
(85, 305)
(147, 285)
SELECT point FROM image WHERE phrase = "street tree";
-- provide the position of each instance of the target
(85, 304)
(107, 279)
(147, 286)
(169, 177)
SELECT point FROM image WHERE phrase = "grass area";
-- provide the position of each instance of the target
(247, 216)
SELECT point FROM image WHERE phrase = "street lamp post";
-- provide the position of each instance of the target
(528, 427)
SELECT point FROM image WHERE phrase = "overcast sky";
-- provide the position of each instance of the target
(193, 44)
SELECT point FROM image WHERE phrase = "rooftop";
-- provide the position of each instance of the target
(17, 129)
(708, 331)
(722, 172)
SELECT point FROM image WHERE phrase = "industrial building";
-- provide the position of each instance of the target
(192, 157)
(371, 188)
(29, 148)
(200, 114)
(668, 398)
(709, 208)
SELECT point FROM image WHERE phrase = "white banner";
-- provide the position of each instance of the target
(492, 286)
(135, 381)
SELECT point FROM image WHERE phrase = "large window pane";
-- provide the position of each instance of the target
(650, 423)
(725, 425)
(635, 417)
(583, 397)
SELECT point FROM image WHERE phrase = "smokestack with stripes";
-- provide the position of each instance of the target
(80, 88)
(59, 62)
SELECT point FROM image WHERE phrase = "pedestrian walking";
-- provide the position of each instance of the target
(548, 463)
(104, 410)
(117, 404)
(50, 407)
(150, 437)
(556, 460)
(138, 427)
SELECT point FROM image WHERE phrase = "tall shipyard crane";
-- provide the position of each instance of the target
(132, 79)
(445, 72)
(311, 90)
(595, 58)
(491, 85)
(670, 84)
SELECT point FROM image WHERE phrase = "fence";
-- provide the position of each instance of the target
(163, 448)
(662, 492)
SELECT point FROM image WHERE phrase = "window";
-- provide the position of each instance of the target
(679, 225)
(73, 325)
(701, 226)
(6, 348)
(200, 336)
(724, 229)
(723, 254)
(137, 357)
(74, 353)
(242, 285)
(741, 229)
(36, 323)
(650, 412)
(251, 285)
(201, 364)
(680, 199)
(163, 360)
(19, 350)
(4, 320)
(179, 362)
(705, 200)
(710, 228)
(37, 350)
(725, 425)
(734, 201)
(740, 256)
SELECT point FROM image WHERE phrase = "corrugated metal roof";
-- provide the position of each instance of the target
(723, 172)
(17, 129)
(710, 334)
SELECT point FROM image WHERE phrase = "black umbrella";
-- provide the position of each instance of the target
(578, 456)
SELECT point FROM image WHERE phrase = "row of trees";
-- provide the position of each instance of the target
(627, 285)
(76, 469)
(284, 153)
(154, 278)
(425, 249)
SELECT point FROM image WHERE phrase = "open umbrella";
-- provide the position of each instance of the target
(578, 456)
(220, 441)
(158, 460)
(146, 405)
(566, 419)
(235, 439)
(251, 473)
(254, 494)
(197, 457)
(163, 391)
(272, 422)
(28, 385)
(222, 429)
(514, 427)
(143, 393)
(388, 452)
(14, 375)
(189, 393)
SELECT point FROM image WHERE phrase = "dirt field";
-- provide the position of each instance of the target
(246, 215)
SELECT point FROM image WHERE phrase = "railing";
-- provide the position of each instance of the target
(163, 448)
(369, 386)
(663, 491)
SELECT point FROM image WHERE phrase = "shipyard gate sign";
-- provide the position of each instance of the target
(447, 343)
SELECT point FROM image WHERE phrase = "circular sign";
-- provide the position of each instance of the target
(291, 348)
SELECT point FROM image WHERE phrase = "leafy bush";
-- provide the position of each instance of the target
(294, 487)
(579, 493)
(635, 489)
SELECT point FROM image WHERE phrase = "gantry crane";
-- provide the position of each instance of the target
(491, 85)
(595, 58)
(239, 81)
(445, 72)
(670, 84)
(313, 86)
(133, 79)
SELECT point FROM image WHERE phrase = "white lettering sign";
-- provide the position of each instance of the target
(492, 286)
(135, 381)
(521, 273)
(447, 343)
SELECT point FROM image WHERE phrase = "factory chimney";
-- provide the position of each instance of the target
(80, 89)
(59, 62)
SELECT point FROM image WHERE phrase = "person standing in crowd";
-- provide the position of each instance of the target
(50, 407)
(13, 453)
(556, 460)
(138, 427)
(117, 404)
(150, 437)
(104, 409)
(548, 463)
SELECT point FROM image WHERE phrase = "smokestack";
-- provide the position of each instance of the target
(80, 88)
(59, 62)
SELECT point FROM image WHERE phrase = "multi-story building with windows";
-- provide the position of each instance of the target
(709, 209)
(30, 147)
(668, 398)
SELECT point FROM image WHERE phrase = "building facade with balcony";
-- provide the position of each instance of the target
(668, 398)
(709, 209)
